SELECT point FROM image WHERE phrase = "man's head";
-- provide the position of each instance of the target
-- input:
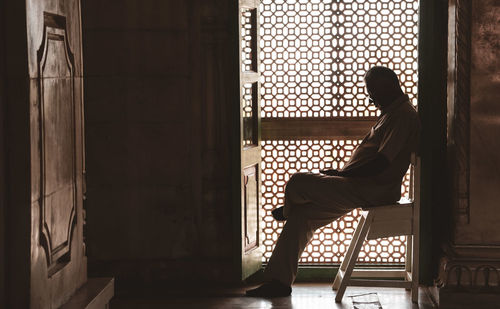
(382, 85)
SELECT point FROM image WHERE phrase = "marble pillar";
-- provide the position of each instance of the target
(469, 271)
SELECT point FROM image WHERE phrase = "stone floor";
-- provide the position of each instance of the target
(304, 295)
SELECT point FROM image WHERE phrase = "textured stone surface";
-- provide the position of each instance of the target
(44, 152)
(469, 269)
(157, 123)
(3, 180)
(485, 125)
(58, 263)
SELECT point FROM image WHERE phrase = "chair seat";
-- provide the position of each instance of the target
(390, 220)
(402, 202)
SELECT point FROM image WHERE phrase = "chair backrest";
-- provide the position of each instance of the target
(413, 265)
(414, 178)
(415, 187)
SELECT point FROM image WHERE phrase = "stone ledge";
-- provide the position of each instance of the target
(95, 294)
(449, 299)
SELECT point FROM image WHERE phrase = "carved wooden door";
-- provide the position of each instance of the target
(251, 255)
(58, 262)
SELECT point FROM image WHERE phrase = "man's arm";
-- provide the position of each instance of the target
(372, 167)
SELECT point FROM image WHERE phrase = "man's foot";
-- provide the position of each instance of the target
(278, 214)
(270, 289)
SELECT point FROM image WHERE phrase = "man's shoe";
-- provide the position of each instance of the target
(278, 214)
(270, 289)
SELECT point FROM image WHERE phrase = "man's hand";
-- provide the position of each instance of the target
(370, 168)
(331, 172)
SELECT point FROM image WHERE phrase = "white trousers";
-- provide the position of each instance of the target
(312, 201)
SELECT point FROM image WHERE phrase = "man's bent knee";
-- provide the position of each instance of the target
(298, 179)
(297, 183)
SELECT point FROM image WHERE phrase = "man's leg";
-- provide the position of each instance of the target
(294, 237)
(281, 270)
(311, 201)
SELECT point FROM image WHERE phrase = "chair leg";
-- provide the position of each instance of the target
(348, 255)
(352, 261)
(415, 269)
(409, 257)
(414, 291)
(409, 250)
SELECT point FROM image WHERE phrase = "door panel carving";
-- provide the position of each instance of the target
(58, 265)
(251, 207)
(57, 142)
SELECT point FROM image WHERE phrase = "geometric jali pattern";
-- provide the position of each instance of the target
(281, 159)
(248, 47)
(314, 54)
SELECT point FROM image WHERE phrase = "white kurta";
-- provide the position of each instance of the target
(315, 200)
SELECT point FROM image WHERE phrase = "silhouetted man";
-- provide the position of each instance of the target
(372, 177)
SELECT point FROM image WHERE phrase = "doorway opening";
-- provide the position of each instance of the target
(314, 107)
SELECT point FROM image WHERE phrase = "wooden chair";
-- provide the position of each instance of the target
(402, 218)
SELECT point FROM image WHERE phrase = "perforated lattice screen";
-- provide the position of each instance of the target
(248, 45)
(314, 54)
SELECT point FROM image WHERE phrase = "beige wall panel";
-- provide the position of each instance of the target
(58, 262)
(484, 227)
(68, 8)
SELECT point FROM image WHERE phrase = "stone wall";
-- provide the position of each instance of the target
(157, 132)
(484, 225)
(3, 189)
(15, 101)
(470, 268)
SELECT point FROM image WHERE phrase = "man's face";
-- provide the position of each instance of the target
(372, 93)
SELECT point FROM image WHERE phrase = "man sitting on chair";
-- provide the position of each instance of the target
(372, 177)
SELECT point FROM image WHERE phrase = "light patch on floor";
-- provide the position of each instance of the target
(365, 301)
